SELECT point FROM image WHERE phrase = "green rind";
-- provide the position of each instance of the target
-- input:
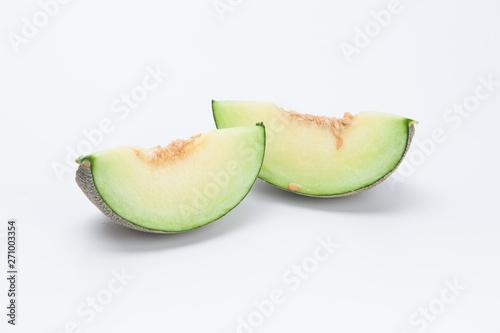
(410, 126)
(85, 180)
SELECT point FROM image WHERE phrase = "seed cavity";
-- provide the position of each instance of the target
(294, 187)
(173, 150)
(336, 124)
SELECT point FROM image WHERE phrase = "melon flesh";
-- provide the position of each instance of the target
(182, 186)
(302, 155)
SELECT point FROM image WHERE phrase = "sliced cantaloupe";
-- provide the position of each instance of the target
(182, 186)
(319, 155)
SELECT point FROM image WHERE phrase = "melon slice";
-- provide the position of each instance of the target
(179, 187)
(319, 155)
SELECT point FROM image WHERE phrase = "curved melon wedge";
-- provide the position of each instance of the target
(323, 156)
(182, 186)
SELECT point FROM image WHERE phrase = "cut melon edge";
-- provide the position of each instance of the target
(411, 133)
(85, 180)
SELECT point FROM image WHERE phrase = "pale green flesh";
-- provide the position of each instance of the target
(300, 152)
(184, 193)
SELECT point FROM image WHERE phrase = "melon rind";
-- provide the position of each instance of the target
(85, 181)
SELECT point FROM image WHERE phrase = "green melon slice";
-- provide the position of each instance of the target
(179, 187)
(322, 156)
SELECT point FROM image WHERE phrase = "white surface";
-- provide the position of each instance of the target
(399, 242)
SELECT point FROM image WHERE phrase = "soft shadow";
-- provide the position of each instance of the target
(381, 198)
(117, 237)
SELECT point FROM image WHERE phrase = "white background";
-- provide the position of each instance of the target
(399, 242)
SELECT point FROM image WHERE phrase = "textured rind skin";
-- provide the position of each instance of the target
(411, 133)
(85, 181)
